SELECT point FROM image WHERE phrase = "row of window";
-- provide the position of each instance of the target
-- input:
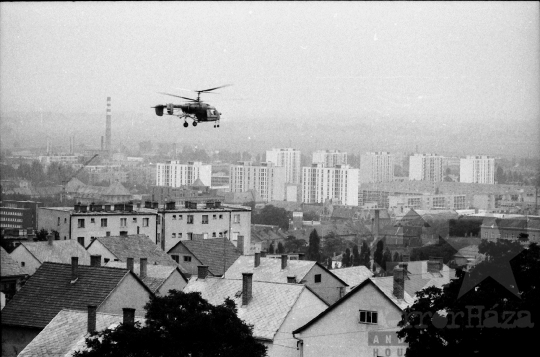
(104, 221)
(6, 219)
(10, 213)
(190, 219)
(176, 258)
(205, 235)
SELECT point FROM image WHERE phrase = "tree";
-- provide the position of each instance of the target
(365, 255)
(179, 324)
(329, 263)
(271, 248)
(378, 255)
(271, 215)
(280, 248)
(387, 257)
(294, 245)
(356, 261)
(314, 248)
(482, 321)
(41, 235)
(346, 259)
(396, 257)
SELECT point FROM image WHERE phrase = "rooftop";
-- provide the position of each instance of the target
(156, 275)
(353, 276)
(57, 251)
(9, 267)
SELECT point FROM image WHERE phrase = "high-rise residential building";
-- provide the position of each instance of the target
(288, 158)
(175, 174)
(267, 179)
(376, 167)
(426, 167)
(477, 169)
(320, 183)
(329, 158)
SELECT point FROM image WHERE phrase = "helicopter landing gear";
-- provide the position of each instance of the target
(194, 123)
(186, 124)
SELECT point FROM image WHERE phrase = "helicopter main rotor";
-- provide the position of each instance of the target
(198, 100)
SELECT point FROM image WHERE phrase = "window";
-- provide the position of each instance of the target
(123, 222)
(180, 217)
(80, 240)
(134, 220)
(220, 234)
(179, 235)
(236, 218)
(175, 258)
(145, 222)
(23, 264)
(106, 260)
(190, 236)
(214, 216)
(104, 222)
(190, 219)
(317, 278)
(220, 216)
(187, 258)
(80, 223)
(59, 222)
(65, 220)
(205, 219)
(368, 317)
(92, 220)
(174, 217)
(123, 233)
(213, 234)
(174, 235)
(108, 234)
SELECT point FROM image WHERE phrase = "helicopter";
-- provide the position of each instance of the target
(195, 109)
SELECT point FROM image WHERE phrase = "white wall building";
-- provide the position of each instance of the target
(426, 167)
(175, 174)
(477, 169)
(329, 158)
(288, 158)
(267, 179)
(376, 167)
(320, 183)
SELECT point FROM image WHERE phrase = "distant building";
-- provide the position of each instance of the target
(427, 202)
(11, 275)
(321, 183)
(267, 179)
(175, 174)
(19, 214)
(376, 167)
(180, 195)
(329, 158)
(477, 169)
(289, 159)
(426, 167)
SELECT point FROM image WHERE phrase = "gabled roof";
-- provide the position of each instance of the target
(266, 311)
(135, 246)
(270, 269)
(50, 290)
(198, 183)
(9, 267)
(66, 333)
(211, 252)
(116, 189)
(60, 251)
(353, 275)
(156, 275)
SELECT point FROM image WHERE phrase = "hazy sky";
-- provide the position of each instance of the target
(319, 60)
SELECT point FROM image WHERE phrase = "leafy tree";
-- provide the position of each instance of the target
(484, 320)
(332, 244)
(311, 216)
(41, 235)
(387, 257)
(273, 216)
(356, 261)
(292, 244)
(314, 248)
(396, 257)
(271, 248)
(365, 255)
(329, 263)
(346, 259)
(378, 255)
(280, 248)
(179, 324)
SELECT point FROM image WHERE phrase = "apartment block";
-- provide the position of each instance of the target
(287, 158)
(376, 167)
(175, 174)
(426, 167)
(320, 183)
(477, 169)
(329, 158)
(267, 179)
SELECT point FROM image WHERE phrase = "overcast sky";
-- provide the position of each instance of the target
(318, 60)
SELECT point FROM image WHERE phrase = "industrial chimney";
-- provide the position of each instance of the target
(108, 127)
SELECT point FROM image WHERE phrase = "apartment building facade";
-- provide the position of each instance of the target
(175, 174)
(477, 169)
(320, 183)
(376, 167)
(329, 158)
(267, 179)
(426, 167)
(289, 159)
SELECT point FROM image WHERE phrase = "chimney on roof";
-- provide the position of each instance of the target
(283, 261)
(257, 259)
(263, 254)
(92, 310)
(434, 265)
(74, 268)
(129, 264)
(170, 205)
(147, 204)
(77, 207)
(129, 316)
(404, 266)
(301, 256)
(155, 205)
(240, 244)
(291, 279)
(144, 262)
(95, 260)
(406, 257)
(202, 271)
(399, 282)
(247, 288)
(50, 238)
(83, 208)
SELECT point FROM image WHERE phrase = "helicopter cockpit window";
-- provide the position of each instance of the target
(212, 112)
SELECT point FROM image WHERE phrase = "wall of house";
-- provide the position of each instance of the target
(175, 281)
(129, 293)
(98, 249)
(15, 339)
(181, 251)
(28, 263)
(54, 219)
(329, 288)
(340, 333)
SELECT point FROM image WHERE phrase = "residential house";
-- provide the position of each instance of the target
(273, 309)
(353, 276)
(217, 253)
(320, 280)
(467, 256)
(56, 286)
(30, 256)
(11, 275)
(119, 248)
(266, 235)
(494, 228)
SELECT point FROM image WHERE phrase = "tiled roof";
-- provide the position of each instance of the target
(210, 252)
(156, 275)
(60, 251)
(386, 285)
(66, 333)
(135, 246)
(259, 234)
(266, 311)
(353, 276)
(50, 290)
(9, 267)
(116, 189)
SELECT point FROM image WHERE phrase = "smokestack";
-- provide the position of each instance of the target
(202, 271)
(71, 144)
(291, 279)
(50, 238)
(95, 260)
(144, 262)
(399, 283)
(74, 268)
(240, 244)
(92, 310)
(263, 254)
(405, 267)
(257, 259)
(283, 261)
(301, 256)
(108, 128)
(247, 286)
(129, 264)
(129, 316)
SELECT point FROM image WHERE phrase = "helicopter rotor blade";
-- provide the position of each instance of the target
(177, 96)
(211, 89)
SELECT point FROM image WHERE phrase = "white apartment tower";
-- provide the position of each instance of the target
(267, 179)
(329, 158)
(426, 167)
(288, 158)
(175, 174)
(376, 167)
(477, 169)
(320, 183)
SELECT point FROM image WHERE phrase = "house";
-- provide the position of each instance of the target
(320, 280)
(364, 322)
(30, 256)
(68, 330)
(353, 276)
(493, 228)
(218, 254)
(56, 286)
(11, 276)
(265, 235)
(467, 256)
(158, 278)
(119, 248)
(273, 309)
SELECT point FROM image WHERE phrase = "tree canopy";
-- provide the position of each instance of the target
(271, 215)
(179, 324)
(314, 248)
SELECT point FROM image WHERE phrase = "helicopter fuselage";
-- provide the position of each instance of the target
(201, 111)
